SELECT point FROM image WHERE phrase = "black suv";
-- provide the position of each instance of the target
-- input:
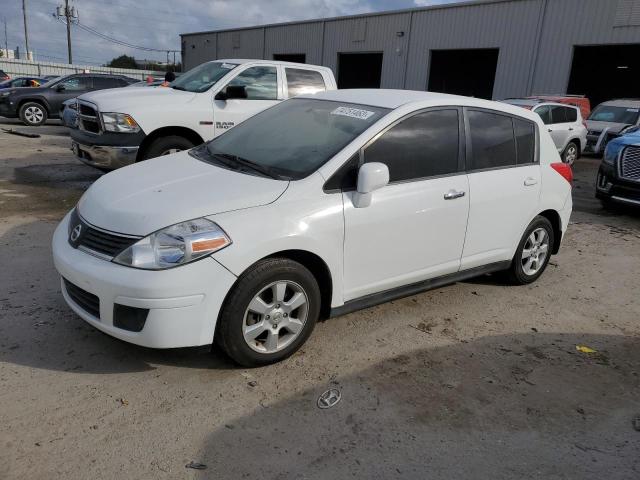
(34, 105)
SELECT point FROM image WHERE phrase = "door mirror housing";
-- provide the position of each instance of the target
(371, 176)
(60, 88)
(232, 92)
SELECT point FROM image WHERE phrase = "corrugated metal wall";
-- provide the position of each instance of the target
(577, 22)
(535, 38)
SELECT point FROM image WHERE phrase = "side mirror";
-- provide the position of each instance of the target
(234, 92)
(371, 177)
(60, 88)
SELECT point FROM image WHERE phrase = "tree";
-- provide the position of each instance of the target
(123, 61)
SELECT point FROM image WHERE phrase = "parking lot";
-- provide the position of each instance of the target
(475, 377)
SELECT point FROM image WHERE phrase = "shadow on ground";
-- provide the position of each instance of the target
(504, 407)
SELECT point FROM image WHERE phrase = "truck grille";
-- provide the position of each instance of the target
(85, 300)
(89, 117)
(94, 240)
(630, 163)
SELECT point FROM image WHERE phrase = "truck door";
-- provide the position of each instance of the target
(261, 85)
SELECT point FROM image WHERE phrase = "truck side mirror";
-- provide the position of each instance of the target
(232, 92)
(371, 176)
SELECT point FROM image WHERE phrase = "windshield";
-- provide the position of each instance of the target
(296, 137)
(203, 77)
(608, 113)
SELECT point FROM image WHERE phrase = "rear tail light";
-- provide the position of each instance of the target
(563, 169)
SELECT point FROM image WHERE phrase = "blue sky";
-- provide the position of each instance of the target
(158, 23)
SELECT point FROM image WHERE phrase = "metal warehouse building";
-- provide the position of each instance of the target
(492, 49)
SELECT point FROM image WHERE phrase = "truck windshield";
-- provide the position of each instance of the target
(294, 138)
(609, 113)
(203, 77)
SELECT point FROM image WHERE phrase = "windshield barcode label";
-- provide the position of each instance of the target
(353, 113)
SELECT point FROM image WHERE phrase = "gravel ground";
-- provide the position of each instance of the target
(475, 380)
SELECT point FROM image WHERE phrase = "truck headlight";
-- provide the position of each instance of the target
(175, 245)
(119, 122)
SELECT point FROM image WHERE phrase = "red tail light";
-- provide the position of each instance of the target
(563, 169)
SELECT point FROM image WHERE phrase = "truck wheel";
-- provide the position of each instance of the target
(269, 313)
(33, 114)
(167, 146)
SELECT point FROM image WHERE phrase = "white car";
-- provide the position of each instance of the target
(118, 127)
(319, 206)
(564, 122)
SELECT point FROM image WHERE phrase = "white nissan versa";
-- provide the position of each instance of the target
(318, 206)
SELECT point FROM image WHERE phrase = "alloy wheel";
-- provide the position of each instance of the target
(571, 155)
(535, 251)
(34, 114)
(275, 316)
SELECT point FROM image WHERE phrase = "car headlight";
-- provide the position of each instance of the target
(175, 245)
(610, 153)
(6, 94)
(119, 122)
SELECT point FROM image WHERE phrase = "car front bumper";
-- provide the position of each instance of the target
(609, 186)
(182, 302)
(105, 157)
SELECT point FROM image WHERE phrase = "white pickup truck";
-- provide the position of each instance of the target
(121, 126)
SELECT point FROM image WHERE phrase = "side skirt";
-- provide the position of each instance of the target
(414, 288)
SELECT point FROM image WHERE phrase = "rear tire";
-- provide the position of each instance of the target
(533, 253)
(571, 153)
(166, 146)
(33, 114)
(269, 314)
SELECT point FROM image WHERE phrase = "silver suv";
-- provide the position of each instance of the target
(564, 122)
(609, 120)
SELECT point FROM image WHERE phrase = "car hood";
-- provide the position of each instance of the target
(613, 127)
(147, 196)
(127, 99)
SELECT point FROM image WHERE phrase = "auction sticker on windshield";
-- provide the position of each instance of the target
(353, 112)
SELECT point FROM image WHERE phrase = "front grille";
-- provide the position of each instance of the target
(95, 240)
(87, 110)
(630, 163)
(89, 119)
(89, 302)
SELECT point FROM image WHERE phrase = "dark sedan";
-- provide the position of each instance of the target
(34, 105)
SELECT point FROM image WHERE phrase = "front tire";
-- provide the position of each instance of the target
(33, 114)
(533, 253)
(270, 313)
(166, 146)
(571, 153)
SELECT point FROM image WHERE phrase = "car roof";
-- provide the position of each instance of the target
(392, 99)
(241, 61)
(623, 102)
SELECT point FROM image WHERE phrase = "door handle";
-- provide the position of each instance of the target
(453, 194)
(571, 129)
(549, 130)
(529, 181)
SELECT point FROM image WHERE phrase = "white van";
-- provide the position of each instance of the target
(118, 127)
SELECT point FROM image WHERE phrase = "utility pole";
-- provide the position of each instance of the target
(6, 43)
(70, 15)
(26, 31)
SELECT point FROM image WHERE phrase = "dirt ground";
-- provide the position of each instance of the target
(475, 380)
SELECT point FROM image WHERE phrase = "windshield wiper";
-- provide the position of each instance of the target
(246, 163)
(179, 88)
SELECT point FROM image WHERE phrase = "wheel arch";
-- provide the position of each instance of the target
(315, 264)
(166, 131)
(40, 100)
(554, 218)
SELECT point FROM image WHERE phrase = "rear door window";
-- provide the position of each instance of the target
(424, 145)
(100, 83)
(301, 81)
(571, 114)
(492, 139)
